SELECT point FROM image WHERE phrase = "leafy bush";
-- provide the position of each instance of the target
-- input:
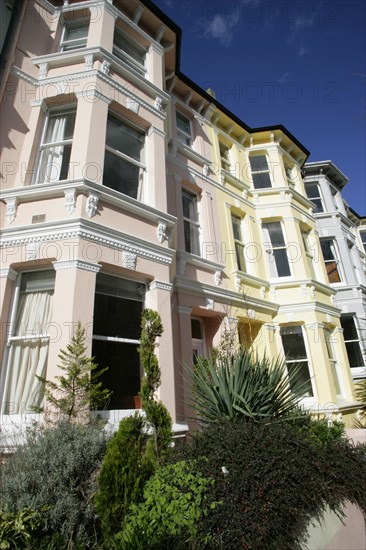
(126, 468)
(17, 529)
(242, 385)
(320, 432)
(56, 468)
(174, 501)
(272, 481)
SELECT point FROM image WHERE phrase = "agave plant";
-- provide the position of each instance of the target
(243, 384)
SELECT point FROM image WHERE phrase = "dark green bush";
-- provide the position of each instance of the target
(126, 468)
(56, 468)
(272, 481)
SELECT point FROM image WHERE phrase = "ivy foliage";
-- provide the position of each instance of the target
(174, 501)
(79, 390)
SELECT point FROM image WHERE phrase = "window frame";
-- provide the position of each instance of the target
(300, 330)
(337, 379)
(363, 239)
(198, 344)
(193, 224)
(238, 243)
(271, 250)
(224, 156)
(318, 198)
(56, 112)
(335, 260)
(13, 338)
(125, 57)
(354, 341)
(184, 137)
(126, 123)
(260, 172)
(79, 42)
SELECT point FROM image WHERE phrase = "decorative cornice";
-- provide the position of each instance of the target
(77, 264)
(107, 195)
(24, 76)
(183, 310)
(160, 285)
(93, 93)
(88, 230)
(47, 6)
(155, 130)
(307, 307)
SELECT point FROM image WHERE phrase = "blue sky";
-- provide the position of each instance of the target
(292, 62)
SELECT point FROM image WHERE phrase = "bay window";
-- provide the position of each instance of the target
(190, 221)
(331, 260)
(224, 156)
(363, 239)
(296, 360)
(116, 332)
(238, 240)
(276, 249)
(123, 169)
(28, 342)
(260, 171)
(129, 51)
(55, 149)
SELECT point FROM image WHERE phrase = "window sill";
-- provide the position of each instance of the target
(178, 146)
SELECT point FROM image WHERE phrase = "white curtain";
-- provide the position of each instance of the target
(51, 161)
(28, 354)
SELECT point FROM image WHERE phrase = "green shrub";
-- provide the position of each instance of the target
(56, 468)
(174, 501)
(320, 432)
(242, 385)
(18, 529)
(126, 468)
(272, 481)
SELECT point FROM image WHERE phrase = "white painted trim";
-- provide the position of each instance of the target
(77, 264)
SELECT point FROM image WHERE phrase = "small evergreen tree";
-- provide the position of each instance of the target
(156, 413)
(79, 390)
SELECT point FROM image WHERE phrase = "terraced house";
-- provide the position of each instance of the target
(124, 185)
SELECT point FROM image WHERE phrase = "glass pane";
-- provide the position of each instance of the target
(73, 32)
(121, 175)
(326, 245)
(236, 228)
(261, 181)
(189, 206)
(117, 317)
(275, 234)
(120, 288)
(299, 378)
(354, 354)
(258, 163)
(349, 327)
(318, 206)
(196, 329)
(125, 139)
(332, 270)
(239, 249)
(363, 239)
(60, 127)
(38, 281)
(191, 238)
(293, 344)
(312, 190)
(123, 375)
(282, 265)
(131, 48)
(183, 123)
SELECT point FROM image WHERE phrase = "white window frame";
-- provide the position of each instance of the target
(182, 136)
(24, 337)
(53, 144)
(254, 172)
(354, 340)
(75, 43)
(336, 259)
(238, 243)
(363, 239)
(318, 198)
(308, 253)
(119, 154)
(193, 223)
(270, 249)
(123, 56)
(306, 399)
(224, 156)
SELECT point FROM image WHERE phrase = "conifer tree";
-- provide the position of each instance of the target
(79, 389)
